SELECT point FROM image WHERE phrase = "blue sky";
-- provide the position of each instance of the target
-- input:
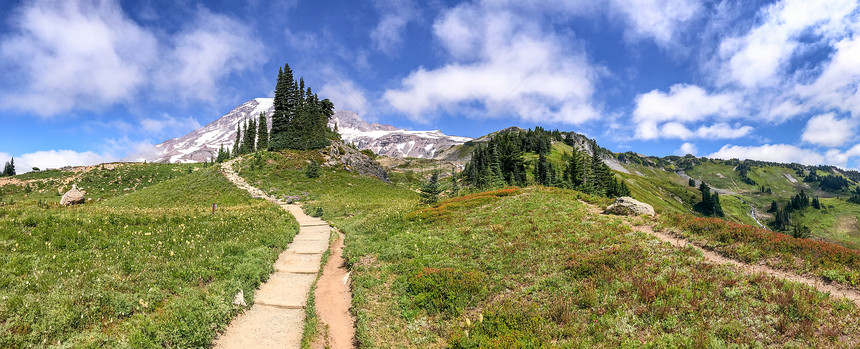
(91, 81)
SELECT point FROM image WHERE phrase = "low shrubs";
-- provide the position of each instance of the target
(445, 291)
(753, 244)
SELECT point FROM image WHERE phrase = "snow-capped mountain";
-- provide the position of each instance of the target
(391, 141)
(202, 144)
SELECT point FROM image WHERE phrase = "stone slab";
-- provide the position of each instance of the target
(264, 327)
(305, 246)
(288, 290)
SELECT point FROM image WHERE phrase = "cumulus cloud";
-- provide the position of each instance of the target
(346, 95)
(838, 85)
(657, 19)
(56, 159)
(387, 36)
(88, 55)
(770, 152)
(682, 104)
(208, 49)
(507, 65)
(687, 148)
(827, 130)
(756, 58)
(173, 125)
(73, 54)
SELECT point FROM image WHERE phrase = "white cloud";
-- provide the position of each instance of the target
(684, 104)
(89, 55)
(657, 19)
(346, 96)
(73, 54)
(838, 86)
(784, 153)
(827, 130)
(510, 66)
(169, 124)
(757, 58)
(206, 51)
(722, 131)
(396, 14)
(715, 131)
(687, 148)
(56, 159)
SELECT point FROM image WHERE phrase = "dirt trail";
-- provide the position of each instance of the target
(276, 320)
(333, 298)
(713, 257)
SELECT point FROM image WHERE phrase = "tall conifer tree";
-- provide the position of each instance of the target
(262, 133)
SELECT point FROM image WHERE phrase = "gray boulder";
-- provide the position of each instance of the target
(72, 197)
(627, 206)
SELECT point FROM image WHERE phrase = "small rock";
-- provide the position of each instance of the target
(628, 206)
(72, 197)
(240, 299)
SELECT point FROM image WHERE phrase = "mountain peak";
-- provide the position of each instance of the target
(203, 144)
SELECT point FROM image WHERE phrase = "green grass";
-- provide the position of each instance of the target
(533, 268)
(780, 251)
(153, 268)
(665, 191)
(837, 222)
(720, 175)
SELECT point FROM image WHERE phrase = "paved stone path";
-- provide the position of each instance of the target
(276, 320)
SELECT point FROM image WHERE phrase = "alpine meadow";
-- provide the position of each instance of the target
(449, 174)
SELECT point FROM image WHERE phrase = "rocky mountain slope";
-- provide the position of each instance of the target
(202, 144)
(391, 141)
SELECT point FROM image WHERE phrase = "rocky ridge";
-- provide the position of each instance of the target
(203, 144)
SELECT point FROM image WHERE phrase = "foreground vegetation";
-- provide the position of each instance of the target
(135, 267)
(534, 267)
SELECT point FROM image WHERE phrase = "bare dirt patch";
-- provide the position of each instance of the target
(714, 257)
(333, 298)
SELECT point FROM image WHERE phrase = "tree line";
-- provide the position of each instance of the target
(8, 168)
(299, 121)
(501, 162)
(783, 216)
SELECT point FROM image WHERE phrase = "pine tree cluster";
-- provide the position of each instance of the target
(710, 204)
(8, 168)
(300, 119)
(782, 216)
(429, 192)
(501, 162)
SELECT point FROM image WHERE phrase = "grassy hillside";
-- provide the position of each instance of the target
(146, 267)
(535, 267)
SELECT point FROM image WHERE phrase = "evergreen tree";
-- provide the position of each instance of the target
(12, 171)
(223, 154)
(497, 179)
(430, 190)
(691, 182)
(773, 206)
(800, 232)
(542, 171)
(715, 206)
(262, 132)
(574, 173)
(238, 144)
(249, 139)
(816, 203)
(706, 192)
(313, 169)
(284, 109)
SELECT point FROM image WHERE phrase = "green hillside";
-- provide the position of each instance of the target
(537, 267)
(138, 267)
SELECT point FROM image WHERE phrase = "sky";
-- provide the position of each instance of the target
(84, 82)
